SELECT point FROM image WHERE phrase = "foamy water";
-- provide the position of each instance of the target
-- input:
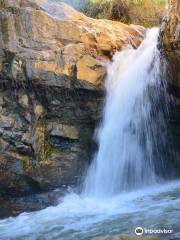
(78, 217)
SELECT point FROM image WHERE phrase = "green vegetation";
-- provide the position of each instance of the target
(2, 4)
(4, 27)
(44, 149)
(143, 12)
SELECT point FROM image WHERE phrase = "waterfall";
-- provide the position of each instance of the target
(132, 124)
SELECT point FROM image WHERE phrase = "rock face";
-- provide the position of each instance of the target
(52, 65)
(170, 39)
(170, 46)
(45, 136)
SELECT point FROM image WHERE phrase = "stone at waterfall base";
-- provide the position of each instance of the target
(33, 202)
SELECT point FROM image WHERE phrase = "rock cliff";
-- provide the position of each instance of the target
(52, 65)
(170, 47)
(170, 43)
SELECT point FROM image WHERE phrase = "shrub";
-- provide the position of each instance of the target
(144, 12)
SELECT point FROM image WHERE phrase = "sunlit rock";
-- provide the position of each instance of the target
(46, 41)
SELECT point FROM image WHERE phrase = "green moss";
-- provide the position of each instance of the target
(44, 149)
(26, 162)
(47, 150)
(2, 4)
(21, 3)
(4, 26)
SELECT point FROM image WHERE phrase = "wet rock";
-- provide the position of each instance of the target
(52, 147)
(14, 206)
(170, 43)
(62, 130)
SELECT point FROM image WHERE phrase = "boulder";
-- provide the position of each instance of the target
(42, 41)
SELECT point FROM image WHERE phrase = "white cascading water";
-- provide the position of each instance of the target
(125, 157)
